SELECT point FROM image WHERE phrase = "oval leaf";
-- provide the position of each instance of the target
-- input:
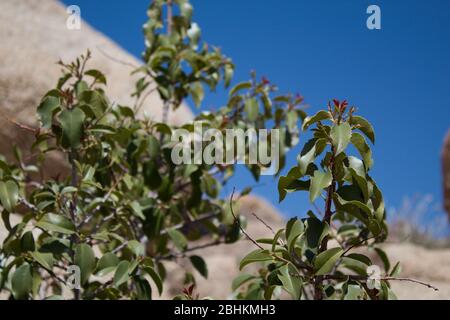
(72, 127)
(9, 194)
(326, 260)
(85, 259)
(22, 282)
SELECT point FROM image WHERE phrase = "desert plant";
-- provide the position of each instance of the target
(105, 228)
(314, 257)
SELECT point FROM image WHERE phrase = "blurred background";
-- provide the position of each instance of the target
(397, 77)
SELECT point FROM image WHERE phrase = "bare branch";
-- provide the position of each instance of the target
(263, 222)
(236, 220)
(19, 125)
(385, 278)
(125, 63)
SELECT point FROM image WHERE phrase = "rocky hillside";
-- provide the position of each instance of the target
(33, 38)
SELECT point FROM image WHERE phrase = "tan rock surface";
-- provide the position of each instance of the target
(34, 37)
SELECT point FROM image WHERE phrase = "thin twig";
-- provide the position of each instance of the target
(183, 254)
(358, 244)
(117, 249)
(146, 95)
(28, 205)
(263, 222)
(20, 125)
(107, 55)
(236, 220)
(386, 278)
(193, 222)
(411, 280)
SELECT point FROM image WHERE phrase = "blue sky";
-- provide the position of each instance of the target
(398, 77)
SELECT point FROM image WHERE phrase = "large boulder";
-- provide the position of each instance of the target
(33, 38)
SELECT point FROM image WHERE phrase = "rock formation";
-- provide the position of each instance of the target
(446, 173)
(33, 38)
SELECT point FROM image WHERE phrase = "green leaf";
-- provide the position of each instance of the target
(9, 195)
(395, 270)
(200, 265)
(291, 119)
(354, 292)
(197, 92)
(326, 260)
(44, 259)
(341, 135)
(316, 231)
(240, 280)
(363, 148)
(255, 256)
(384, 258)
(107, 263)
(153, 147)
(56, 223)
(296, 228)
(97, 75)
(121, 275)
(352, 207)
(27, 242)
(45, 110)
(289, 183)
(155, 277)
(136, 247)
(72, 127)
(186, 10)
(319, 116)
(152, 178)
(228, 74)
(319, 181)
(239, 87)
(85, 259)
(69, 189)
(178, 239)
(363, 125)
(357, 263)
(22, 282)
(137, 209)
(80, 87)
(251, 107)
(292, 284)
(95, 100)
(143, 289)
(305, 159)
(356, 168)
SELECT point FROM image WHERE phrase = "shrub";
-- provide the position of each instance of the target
(105, 228)
(124, 208)
(299, 258)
